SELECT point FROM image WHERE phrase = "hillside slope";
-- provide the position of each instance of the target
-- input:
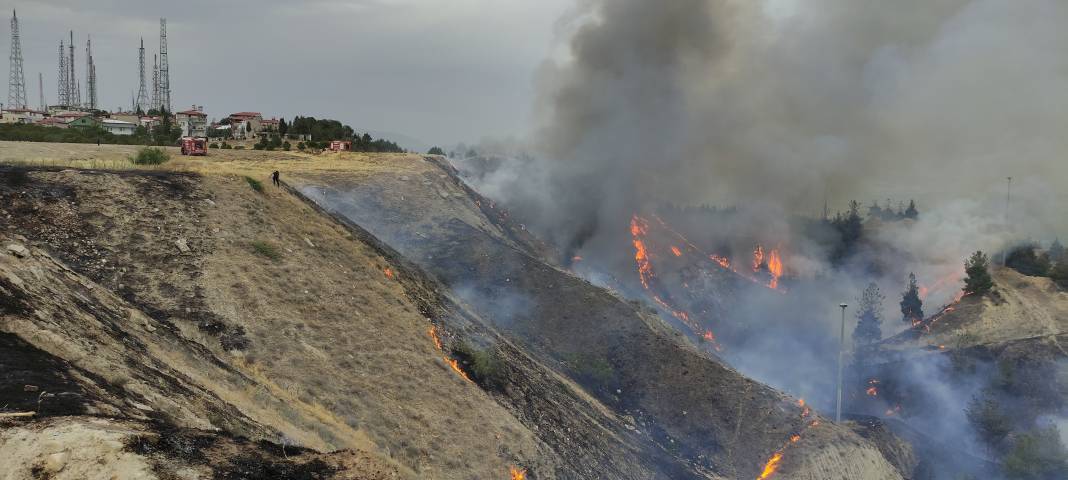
(280, 323)
(318, 347)
(681, 400)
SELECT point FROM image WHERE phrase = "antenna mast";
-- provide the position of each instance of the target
(142, 92)
(16, 87)
(164, 68)
(63, 95)
(155, 83)
(74, 89)
(90, 76)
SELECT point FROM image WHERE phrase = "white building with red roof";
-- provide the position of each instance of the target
(193, 122)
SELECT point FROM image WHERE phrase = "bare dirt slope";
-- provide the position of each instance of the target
(318, 347)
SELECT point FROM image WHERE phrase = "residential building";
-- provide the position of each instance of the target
(118, 127)
(246, 124)
(220, 132)
(150, 122)
(84, 121)
(340, 146)
(55, 122)
(21, 115)
(131, 117)
(269, 126)
(193, 122)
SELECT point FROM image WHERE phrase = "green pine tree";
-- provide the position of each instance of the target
(911, 304)
(869, 317)
(978, 281)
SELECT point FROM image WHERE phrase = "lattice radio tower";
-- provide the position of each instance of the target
(16, 87)
(155, 82)
(90, 76)
(142, 92)
(63, 92)
(164, 68)
(73, 88)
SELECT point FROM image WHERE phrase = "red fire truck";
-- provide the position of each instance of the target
(194, 146)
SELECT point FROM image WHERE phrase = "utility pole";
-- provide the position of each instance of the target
(16, 87)
(841, 352)
(40, 88)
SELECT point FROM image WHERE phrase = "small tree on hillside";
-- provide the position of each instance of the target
(436, 151)
(1023, 259)
(1037, 455)
(911, 212)
(1056, 251)
(988, 418)
(869, 317)
(1059, 273)
(978, 281)
(282, 127)
(911, 305)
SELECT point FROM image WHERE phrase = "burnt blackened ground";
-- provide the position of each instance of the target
(628, 360)
(34, 381)
(228, 458)
(120, 229)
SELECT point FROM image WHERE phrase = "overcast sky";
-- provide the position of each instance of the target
(440, 71)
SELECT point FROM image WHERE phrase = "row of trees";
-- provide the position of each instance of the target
(1029, 260)
(323, 130)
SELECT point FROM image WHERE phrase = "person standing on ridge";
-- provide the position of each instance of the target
(274, 178)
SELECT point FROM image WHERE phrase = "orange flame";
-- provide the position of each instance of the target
(518, 473)
(638, 228)
(758, 258)
(389, 272)
(456, 368)
(434, 336)
(872, 391)
(723, 262)
(771, 466)
(775, 268)
(452, 363)
(676, 251)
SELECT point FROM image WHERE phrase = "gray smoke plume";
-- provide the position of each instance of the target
(783, 104)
